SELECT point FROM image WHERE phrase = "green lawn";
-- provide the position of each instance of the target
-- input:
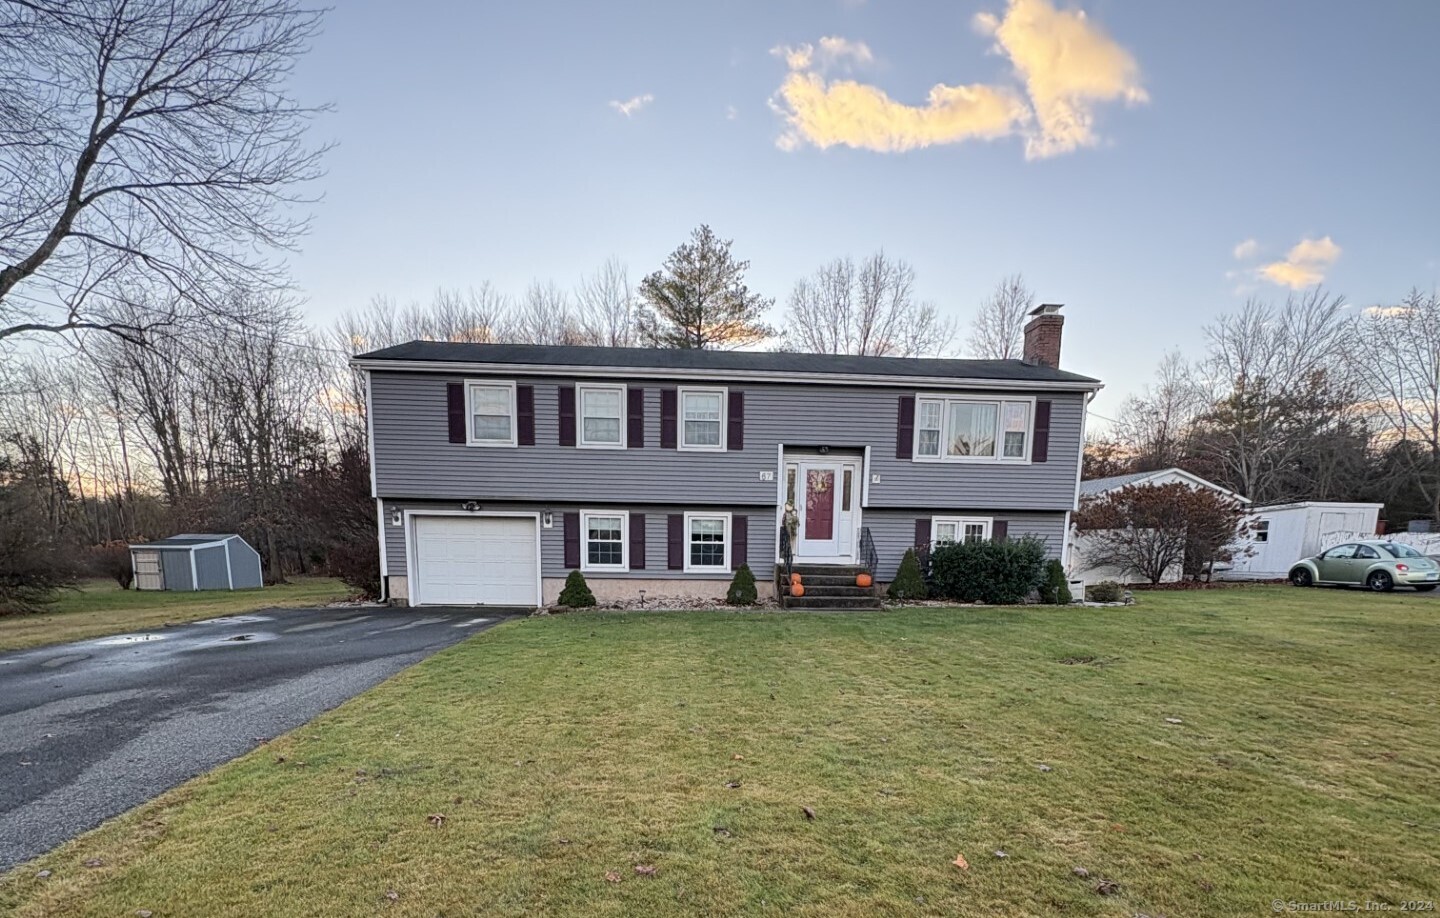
(100, 607)
(1306, 767)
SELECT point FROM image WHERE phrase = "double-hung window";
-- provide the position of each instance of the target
(702, 419)
(602, 417)
(492, 413)
(947, 530)
(707, 542)
(972, 430)
(606, 535)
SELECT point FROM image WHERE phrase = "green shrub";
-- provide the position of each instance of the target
(577, 593)
(1055, 590)
(909, 582)
(988, 571)
(742, 588)
(1104, 591)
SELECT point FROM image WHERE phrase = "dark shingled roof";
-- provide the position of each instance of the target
(745, 361)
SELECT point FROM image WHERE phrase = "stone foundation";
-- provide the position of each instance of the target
(624, 589)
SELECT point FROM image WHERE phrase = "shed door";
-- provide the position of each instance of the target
(148, 575)
(468, 560)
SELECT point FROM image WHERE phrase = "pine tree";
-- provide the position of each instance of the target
(909, 583)
(742, 589)
(699, 299)
(577, 593)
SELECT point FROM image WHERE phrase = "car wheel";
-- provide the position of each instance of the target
(1380, 582)
(1426, 588)
(1300, 577)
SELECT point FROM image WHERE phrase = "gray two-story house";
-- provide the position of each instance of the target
(498, 468)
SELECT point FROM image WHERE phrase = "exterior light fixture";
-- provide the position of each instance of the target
(547, 519)
(396, 518)
(470, 506)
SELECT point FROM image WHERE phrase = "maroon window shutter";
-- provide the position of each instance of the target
(922, 532)
(999, 530)
(1040, 450)
(739, 541)
(735, 424)
(635, 419)
(675, 540)
(669, 407)
(572, 540)
(567, 415)
(455, 401)
(637, 541)
(525, 408)
(905, 429)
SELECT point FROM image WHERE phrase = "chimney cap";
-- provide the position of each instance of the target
(1046, 309)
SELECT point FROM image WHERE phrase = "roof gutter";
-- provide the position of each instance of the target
(833, 379)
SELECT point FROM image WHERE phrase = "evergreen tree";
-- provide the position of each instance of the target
(577, 593)
(909, 582)
(742, 589)
(699, 299)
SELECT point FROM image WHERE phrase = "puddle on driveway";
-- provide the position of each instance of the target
(123, 639)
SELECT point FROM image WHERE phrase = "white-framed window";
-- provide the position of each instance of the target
(953, 429)
(702, 418)
(605, 540)
(491, 409)
(707, 542)
(602, 416)
(947, 530)
(1262, 531)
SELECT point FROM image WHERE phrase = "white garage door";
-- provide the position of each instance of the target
(468, 560)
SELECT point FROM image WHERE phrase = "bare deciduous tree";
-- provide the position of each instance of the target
(607, 306)
(1155, 426)
(1396, 358)
(998, 330)
(146, 143)
(545, 315)
(868, 310)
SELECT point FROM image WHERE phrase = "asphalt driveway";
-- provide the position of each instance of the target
(91, 729)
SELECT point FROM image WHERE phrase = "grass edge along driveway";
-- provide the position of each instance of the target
(99, 607)
(545, 766)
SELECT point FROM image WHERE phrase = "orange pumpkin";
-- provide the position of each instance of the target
(863, 580)
(797, 589)
(794, 579)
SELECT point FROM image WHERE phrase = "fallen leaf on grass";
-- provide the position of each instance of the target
(1080, 872)
(809, 813)
(645, 870)
(738, 757)
(1043, 767)
(1107, 888)
(392, 895)
(143, 913)
(1001, 854)
(436, 819)
(1173, 720)
(722, 832)
(612, 877)
(94, 862)
(961, 862)
(42, 874)
(732, 784)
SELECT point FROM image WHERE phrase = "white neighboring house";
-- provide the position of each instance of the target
(1284, 533)
(1078, 563)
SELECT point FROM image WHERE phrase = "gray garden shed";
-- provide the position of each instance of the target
(196, 561)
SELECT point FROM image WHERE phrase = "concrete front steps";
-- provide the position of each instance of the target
(827, 587)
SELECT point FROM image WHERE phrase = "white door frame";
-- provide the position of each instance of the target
(412, 568)
(855, 461)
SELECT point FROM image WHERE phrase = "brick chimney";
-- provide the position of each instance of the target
(1042, 335)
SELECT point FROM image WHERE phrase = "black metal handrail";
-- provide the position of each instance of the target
(868, 556)
(787, 555)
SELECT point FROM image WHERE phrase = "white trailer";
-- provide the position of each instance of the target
(1284, 533)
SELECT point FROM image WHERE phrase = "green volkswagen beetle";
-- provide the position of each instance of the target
(1377, 564)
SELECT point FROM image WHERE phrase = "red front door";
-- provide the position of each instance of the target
(819, 504)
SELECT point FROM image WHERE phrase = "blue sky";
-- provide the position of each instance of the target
(477, 141)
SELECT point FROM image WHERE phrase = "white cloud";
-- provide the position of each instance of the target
(731, 113)
(1065, 64)
(1305, 264)
(1247, 250)
(632, 105)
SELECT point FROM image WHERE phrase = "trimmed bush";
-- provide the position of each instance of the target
(1055, 590)
(577, 593)
(1104, 591)
(357, 564)
(909, 582)
(988, 571)
(742, 588)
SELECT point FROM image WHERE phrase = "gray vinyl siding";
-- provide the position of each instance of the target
(244, 565)
(210, 568)
(414, 458)
(894, 531)
(760, 529)
(177, 570)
